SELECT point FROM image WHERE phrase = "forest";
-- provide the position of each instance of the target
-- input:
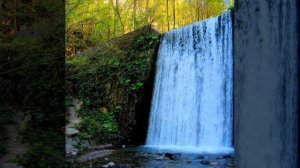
(91, 22)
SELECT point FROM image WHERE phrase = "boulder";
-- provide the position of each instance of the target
(94, 155)
(71, 131)
(205, 162)
(101, 147)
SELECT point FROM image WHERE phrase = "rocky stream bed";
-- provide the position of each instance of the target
(141, 158)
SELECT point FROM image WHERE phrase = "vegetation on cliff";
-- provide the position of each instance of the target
(110, 79)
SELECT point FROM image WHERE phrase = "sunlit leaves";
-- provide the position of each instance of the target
(102, 20)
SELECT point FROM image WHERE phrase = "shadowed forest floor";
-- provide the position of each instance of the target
(14, 144)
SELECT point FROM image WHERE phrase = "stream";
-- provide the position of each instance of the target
(149, 158)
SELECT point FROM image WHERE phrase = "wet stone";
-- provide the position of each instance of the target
(230, 164)
(214, 163)
(71, 132)
(205, 162)
(200, 157)
(144, 159)
(110, 164)
(94, 155)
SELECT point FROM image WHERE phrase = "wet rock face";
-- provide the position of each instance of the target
(266, 83)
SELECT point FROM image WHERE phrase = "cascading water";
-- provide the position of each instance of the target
(192, 102)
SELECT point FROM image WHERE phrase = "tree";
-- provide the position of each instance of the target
(134, 14)
(174, 14)
(103, 20)
(168, 22)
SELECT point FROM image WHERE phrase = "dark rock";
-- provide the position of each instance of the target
(124, 166)
(227, 157)
(171, 156)
(85, 144)
(205, 162)
(200, 157)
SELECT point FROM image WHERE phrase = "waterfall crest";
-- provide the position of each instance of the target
(192, 100)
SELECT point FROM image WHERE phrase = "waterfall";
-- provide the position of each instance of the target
(192, 100)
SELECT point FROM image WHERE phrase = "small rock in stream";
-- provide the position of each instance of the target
(205, 162)
(70, 148)
(110, 164)
(74, 153)
(170, 156)
(211, 163)
(160, 158)
(225, 157)
(230, 165)
(214, 163)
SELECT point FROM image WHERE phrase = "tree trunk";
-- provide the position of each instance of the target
(174, 14)
(168, 15)
(32, 11)
(198, 10)
(15, 16)
(117, 14)
(134, 14)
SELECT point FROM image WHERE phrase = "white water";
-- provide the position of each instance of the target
(192, 102)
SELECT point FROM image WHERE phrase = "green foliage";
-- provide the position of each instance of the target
(111, 78)
(231, 8)
(43, 153)
(148, 41)
(99, 127)
(100, 21)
